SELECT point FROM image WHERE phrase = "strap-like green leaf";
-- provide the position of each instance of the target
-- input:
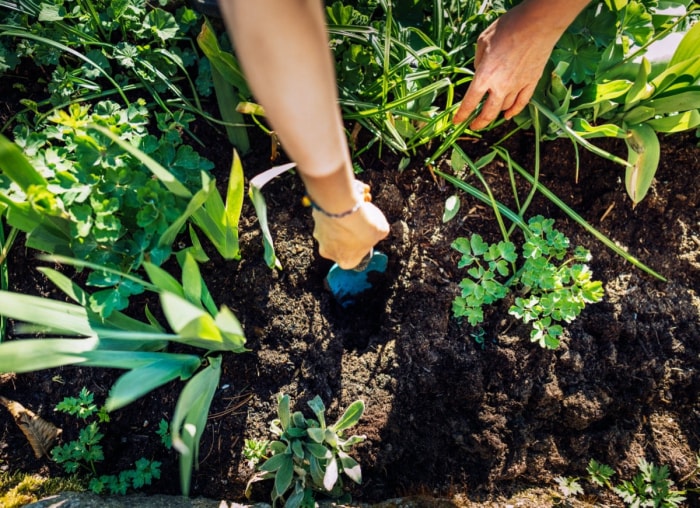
(689, 46)
(676, 123)
(140, 381)
(52, 314)
(191, 280)
(16, 166)
(256, 196)
(162, 279)
(37, 354)
(644, 152)
(190, 418)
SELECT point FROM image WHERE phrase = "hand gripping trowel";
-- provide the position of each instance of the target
(348, 285)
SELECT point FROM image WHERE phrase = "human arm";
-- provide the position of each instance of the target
(283, 49)
(510, 57)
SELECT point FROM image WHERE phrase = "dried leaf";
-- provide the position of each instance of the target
(40, 433)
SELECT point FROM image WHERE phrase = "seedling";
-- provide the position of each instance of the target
(86, 451)
(255, 450)
(555, 285)
(309, 456)
(650, 487)
(164, 433)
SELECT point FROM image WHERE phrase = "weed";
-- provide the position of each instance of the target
(86, 451)
(650, 487)
(164, 433)
(255, 450)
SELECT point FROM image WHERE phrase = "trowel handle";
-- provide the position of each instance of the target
(365, 261)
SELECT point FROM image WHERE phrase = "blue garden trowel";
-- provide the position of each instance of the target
(347, 285)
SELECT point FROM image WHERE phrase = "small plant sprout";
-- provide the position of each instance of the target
(554, 286)
(309, 456)
(599, 474)
(164, 433)
(86, 451)
(569, 487)
(255, 450)
(650, 487)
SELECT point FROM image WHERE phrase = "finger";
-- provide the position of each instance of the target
(509, 101)
(489, 112)
(521, 101)
(469, 103)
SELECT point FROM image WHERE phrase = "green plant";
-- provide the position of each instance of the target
(84, 452)
(164, 433)
(569, 487)
(600, 474)
(601, 83)
(398, 65)
(76, 335)
(650, 487)
(94, 48)
(229, 85)
(88, 191)
(310, 456)
(556, 285)
(255, 450)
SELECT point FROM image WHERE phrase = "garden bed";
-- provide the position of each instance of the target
(446, 415)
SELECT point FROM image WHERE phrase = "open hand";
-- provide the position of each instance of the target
(510, 57)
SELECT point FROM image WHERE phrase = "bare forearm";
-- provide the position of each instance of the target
(550, 16)
(283, 48)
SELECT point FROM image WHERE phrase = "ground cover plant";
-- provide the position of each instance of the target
(442, 414)
(86, 450)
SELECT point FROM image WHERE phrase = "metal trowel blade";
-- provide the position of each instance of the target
(347, 285)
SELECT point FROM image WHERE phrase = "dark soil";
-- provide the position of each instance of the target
(445, 416)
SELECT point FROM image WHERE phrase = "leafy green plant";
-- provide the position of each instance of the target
(255, 450)
(398, 67)
(83, 453)
(652, 486)
(76, 335)
(569, 487)
(555, 285)
(601, 83)
(164, 433)
(95, 47)
(229, 85)
(87, 191)
(310, 456)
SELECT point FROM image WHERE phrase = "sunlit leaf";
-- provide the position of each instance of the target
(256, 196)
(190, 418)
(451, 208)
(644, 151)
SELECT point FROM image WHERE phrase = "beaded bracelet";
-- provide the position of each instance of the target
(366, 198)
